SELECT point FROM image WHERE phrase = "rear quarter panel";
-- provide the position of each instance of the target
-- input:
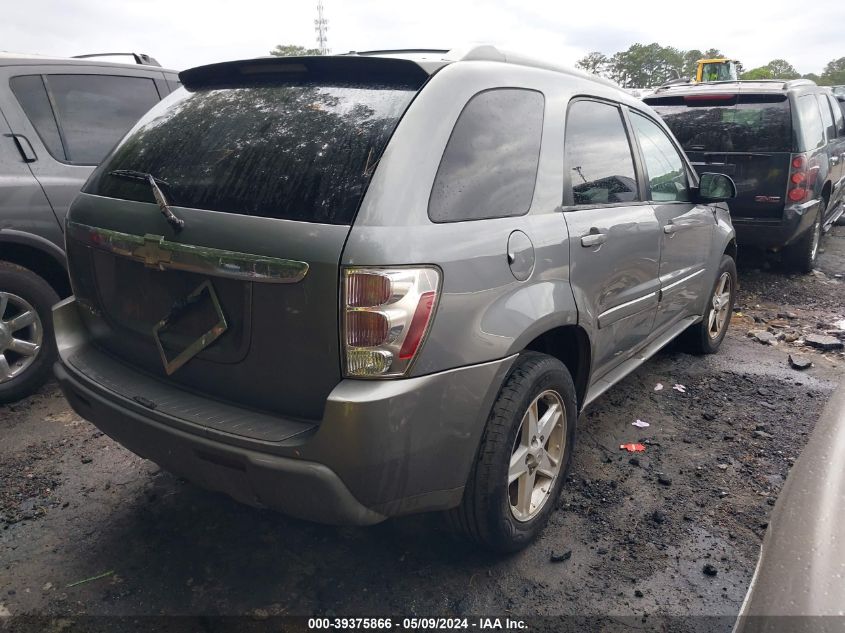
(484, 313)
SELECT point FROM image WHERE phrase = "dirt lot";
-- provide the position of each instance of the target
(75, 505)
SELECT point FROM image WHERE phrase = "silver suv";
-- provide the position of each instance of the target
(58, 118)
(356, 287)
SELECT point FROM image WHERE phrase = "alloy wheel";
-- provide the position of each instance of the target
(721, 305)
(21, 335)
(537, 455)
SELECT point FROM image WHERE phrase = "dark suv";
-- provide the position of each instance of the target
(783, 143)
(58, 119)
(356, 287)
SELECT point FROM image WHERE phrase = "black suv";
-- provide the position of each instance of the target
(58, 119)
(783, 143)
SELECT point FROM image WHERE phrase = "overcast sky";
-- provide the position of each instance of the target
(185, 33)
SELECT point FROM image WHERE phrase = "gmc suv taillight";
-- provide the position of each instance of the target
(798, 179)
(386, 315)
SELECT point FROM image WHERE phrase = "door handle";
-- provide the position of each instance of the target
(26, 151)
(834, 160)
(671, 228)
(593, 239)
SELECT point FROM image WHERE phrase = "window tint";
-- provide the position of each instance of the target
(95, 111)
(667, 178)
(489, 166)
(838, 118)
(744, 123)
(827, 117)
(598, 155)
(31, 94)
(812, 130)
(292, 151)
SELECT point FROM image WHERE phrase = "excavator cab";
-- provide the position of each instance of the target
(716, 70)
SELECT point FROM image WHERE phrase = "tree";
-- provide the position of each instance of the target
(293, 50)
(645, 65)
(775, 69)
(812, 77)
(714, 53)
(595, 63)
(691, 62)
(834, 72)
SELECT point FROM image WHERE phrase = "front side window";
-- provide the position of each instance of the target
(598, 155)
(667, 178)
(95, 111)
(489, 166)
(812, 129)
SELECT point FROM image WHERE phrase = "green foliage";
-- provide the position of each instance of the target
(775, 69)
(645, 65)
(834, 72)
(292, 50)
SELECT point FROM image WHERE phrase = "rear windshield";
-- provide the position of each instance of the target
(748, 123)
(297, 152)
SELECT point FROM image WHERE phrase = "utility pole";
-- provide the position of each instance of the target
(321, 25)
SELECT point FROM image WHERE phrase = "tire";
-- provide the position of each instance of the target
(486, 515)
(706, 336)
(22, 292)
(801, 256)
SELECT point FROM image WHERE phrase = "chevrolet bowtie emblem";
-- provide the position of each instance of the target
(152, 253)
(178, 308)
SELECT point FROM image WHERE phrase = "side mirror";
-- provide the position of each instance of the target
(716, 187)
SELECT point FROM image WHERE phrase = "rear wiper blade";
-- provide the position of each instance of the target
(176, 222)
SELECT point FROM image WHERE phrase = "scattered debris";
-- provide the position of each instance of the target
(787, 315)
(658, 386)
(823, 342)
(708, 415)
(658, 516)
(799, 362)
(723, 466)
(560, 557)
(632, 448)
(634, 461)
(763, 435)
(84, 580)
(638, 593)
(679, 387)
(86, 459)
(664, 479)
(710, 570)
(762, 336)
(640, 424)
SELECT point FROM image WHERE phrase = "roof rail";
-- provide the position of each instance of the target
(793, 83)
(398, 51)
(140, 58)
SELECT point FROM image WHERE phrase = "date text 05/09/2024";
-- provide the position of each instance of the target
(418, 623)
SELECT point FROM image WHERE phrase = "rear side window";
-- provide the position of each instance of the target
(489, 166)
(598, 155)
(30, 92)
(667, 178)
(95, 111)
(838, 119)
(728, 123)
(301, 151)
(827, 117)
(812, 129)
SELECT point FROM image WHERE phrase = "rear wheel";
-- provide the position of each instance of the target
(524, 455)
(27, 347)
(801, 256)
(706, 336)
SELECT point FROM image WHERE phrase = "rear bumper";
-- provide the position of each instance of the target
(383, 448)
(775, 234)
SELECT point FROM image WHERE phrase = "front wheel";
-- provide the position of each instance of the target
(523, 458)
(706, 336)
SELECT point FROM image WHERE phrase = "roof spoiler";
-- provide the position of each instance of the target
(342, 68)
(140, 58)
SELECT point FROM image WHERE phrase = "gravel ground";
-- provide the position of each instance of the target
(641, 529)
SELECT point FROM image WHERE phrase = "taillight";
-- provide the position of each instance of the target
(797, 189)
(386, 315)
